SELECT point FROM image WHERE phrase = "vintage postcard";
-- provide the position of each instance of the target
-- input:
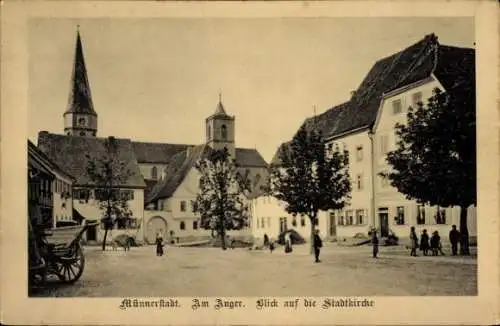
(249, 163)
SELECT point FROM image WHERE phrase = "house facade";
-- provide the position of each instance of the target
(365, 127)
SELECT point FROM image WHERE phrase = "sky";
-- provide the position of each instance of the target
(157, 79)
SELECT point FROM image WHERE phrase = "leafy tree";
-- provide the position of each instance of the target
(220, 200)
(107, 173)
(310, 178)
(435, 159)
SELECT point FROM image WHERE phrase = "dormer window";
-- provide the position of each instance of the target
(397, 107)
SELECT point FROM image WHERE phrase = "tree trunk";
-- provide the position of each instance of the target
(104, 240)
(464, 232)
(223, 238)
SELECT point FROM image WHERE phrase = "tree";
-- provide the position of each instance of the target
(310, 178)
(435, 159)
(107, 174)
(220, 200)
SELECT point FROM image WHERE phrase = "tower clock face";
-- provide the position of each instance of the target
(82, 121)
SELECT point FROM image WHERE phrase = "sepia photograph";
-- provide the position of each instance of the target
(303, 161)
(371, 176)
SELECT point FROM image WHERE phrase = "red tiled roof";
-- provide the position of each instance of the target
(69, 152)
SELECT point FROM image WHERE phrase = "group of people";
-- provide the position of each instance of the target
(425, 243)
(434, 242)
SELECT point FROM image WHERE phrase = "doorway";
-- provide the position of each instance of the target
(283, 224)
(92, 232)
(383, 215)
(333, 226)
(156, 225)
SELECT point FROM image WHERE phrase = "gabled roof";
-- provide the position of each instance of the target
(180, 165)
(37, 158)
(69, 152)
(182, 162)
(420, 60)
(160, 153)
(80, 98)
(249, 157)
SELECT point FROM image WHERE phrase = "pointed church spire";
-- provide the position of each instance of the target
(80, 98)
(220, 108)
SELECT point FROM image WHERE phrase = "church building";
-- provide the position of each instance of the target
(162, 182)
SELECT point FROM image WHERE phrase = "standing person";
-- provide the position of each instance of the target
(266, 240)
(159, 244)
(374, 243)
(454, 238)
(318, 243)
(413, 242)
(424, 242)
(271, 245)
(288, 243)
(435, 243)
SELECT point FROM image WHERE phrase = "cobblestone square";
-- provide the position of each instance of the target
(241, 272)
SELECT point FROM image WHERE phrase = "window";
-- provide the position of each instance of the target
(223, 132)
(262, 223)
(360, 217)
(329, 148)
(268, 222)
(383, 144)
(440, 216)
(183, 206)
(359, 153)
(302, 221)
(341, 219)
(256, 180)
(81, 121)
(82, 133)
(349, 217)
(420, 214)
(209, 131)
(154, 173)
(397, 107)
(359, 182)
(400, 215)
(294, 221)
(195, 225)
(416, 98)
(182, 225)
(194, 206)
(257, 223)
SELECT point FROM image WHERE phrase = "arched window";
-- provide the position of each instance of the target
(223, 132)
(256, 180)
(182, 225)
(154, 173)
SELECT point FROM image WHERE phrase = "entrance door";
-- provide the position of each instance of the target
(384, 223)
(92, 233)
(333, 226)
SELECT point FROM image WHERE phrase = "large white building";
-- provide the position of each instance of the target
(365, 127)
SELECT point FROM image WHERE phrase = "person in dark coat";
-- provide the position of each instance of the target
(318, 243)
(159, 245)
(424, 242)
(454, 239)
(271, 246)
(374, 240)
(413, 242)
(435, 240)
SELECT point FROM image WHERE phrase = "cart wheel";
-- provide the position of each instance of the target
(70, 268)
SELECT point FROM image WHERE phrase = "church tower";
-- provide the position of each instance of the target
(220, 130)
(80, 119)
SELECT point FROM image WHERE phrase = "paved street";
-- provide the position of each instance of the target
(241, 272)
